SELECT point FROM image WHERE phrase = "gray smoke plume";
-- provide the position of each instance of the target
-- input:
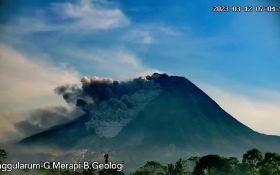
(111, 104)
(42, 119)
(70, 93)
(109, 117)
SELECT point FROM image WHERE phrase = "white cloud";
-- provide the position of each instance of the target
(115, 63)
(147, 39)
(171, 31)
(89, 16)
(27, 84)
(72, 17)
(139, 36)
(260, 112)
(7, 129)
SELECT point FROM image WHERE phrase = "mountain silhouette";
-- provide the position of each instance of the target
(180, 121)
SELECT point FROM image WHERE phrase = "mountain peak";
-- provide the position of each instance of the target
(165, 114)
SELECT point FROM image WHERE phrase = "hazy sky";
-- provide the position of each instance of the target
(234, 57)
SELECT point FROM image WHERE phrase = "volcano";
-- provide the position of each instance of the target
(179, 120)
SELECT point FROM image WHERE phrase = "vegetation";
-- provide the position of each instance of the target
(253, 163)
(3, 155)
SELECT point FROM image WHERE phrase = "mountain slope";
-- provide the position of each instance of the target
(185, 116)
(182, 120)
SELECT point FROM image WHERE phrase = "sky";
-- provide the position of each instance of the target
(233, 57)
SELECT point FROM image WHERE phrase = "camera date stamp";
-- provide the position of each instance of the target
(247, 8)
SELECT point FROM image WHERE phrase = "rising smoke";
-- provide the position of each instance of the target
(42, 119)
(110, 104)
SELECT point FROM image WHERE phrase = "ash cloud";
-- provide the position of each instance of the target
(42, 119)
(110, 104)
(70, 93)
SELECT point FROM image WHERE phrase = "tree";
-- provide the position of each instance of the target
(170, 169)
(230, 165)
(195, 159)
(179, 166)
(252, 160)
(206, 163)
(217, 165)
(142, 171)
(3, 155)
(270, 164)
(152, 168)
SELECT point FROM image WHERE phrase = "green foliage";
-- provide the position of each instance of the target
(155, 168)
(270, 164)
(253, 163)
(217, 165)
(179, 166)
(195, 159)
(209, 162)
(151, 168)
(142, 171)
(252, 160)
(3, 155)
(170, 169)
